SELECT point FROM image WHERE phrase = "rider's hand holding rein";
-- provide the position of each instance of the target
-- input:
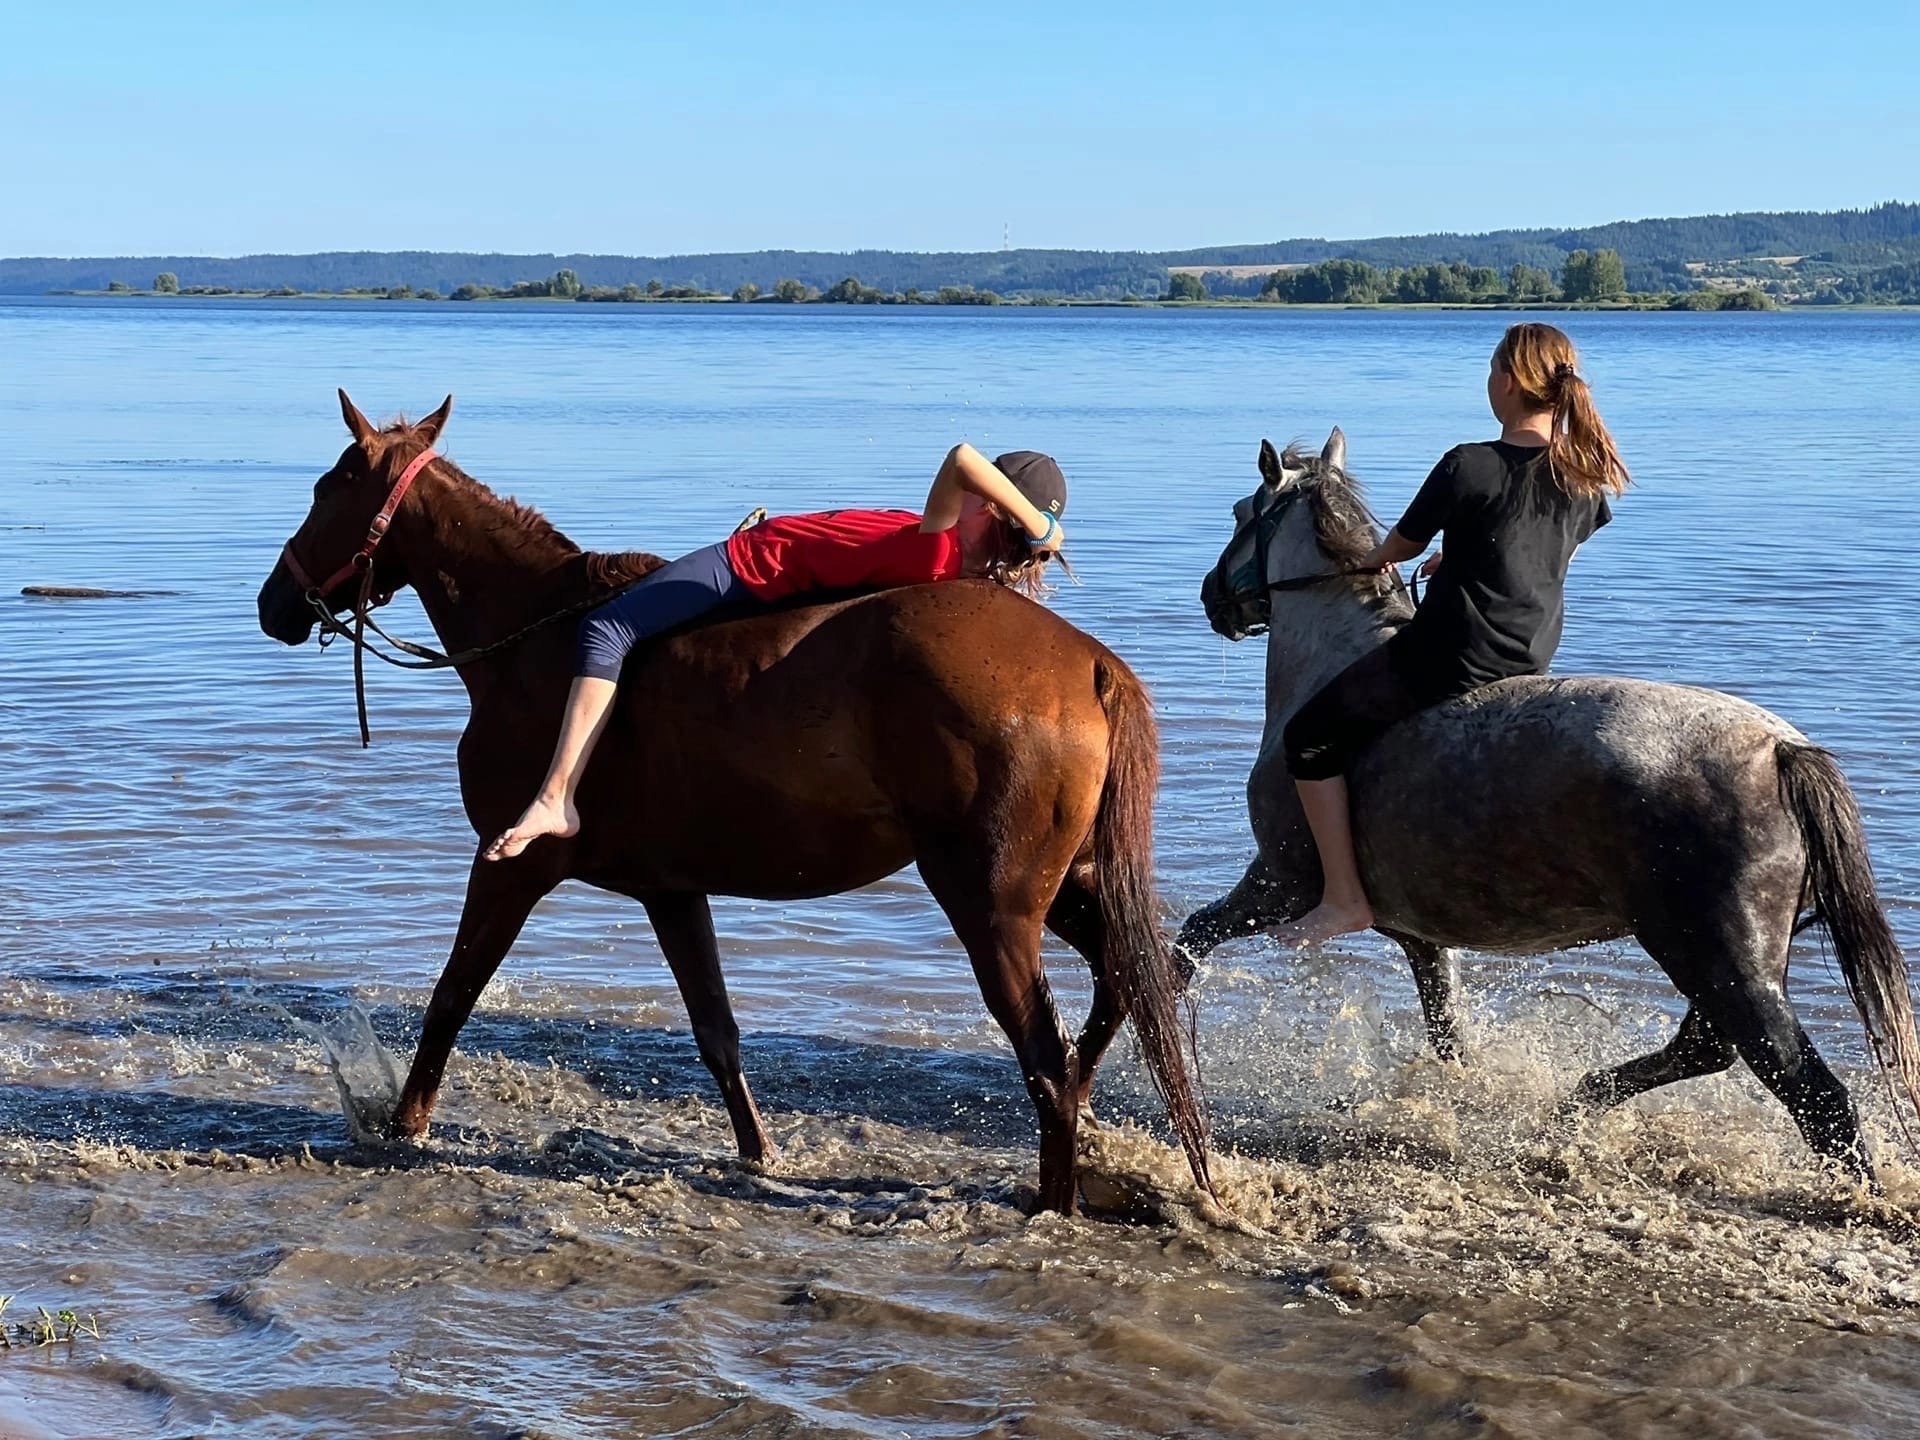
(1391, 552)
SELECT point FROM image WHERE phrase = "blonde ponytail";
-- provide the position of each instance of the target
(1545, 368)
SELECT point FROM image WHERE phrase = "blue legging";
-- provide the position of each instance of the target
(680, 591)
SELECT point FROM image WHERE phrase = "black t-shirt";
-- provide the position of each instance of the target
(1495, 606)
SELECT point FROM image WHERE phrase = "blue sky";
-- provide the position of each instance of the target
(227, 129)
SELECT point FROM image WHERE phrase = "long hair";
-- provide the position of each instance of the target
(1013, 562)
(1546, 370)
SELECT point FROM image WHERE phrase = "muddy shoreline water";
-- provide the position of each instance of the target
(1407, 1250)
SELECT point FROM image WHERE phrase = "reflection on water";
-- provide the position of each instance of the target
(201, 875)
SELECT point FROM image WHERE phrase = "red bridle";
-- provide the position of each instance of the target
(362, 565)
(376, 532)
(365, 601)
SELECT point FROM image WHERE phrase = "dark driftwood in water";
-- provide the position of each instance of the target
(88, 592)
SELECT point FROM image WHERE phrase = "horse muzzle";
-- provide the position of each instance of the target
(1232, 612)
(285, 614)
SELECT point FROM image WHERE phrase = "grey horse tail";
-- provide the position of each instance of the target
(1840, 889)
(1135, 958)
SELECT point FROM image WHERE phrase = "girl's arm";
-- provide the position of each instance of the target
(1391, 551)
(966, 472)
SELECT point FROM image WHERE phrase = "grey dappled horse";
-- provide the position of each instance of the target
(1543, 812)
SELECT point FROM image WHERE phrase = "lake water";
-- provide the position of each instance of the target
(196, 853)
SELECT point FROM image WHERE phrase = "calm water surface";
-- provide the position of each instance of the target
(196, 850)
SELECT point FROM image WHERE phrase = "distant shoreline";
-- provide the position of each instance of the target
(1652, 304)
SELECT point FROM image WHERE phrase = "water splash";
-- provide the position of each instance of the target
(364, 1071)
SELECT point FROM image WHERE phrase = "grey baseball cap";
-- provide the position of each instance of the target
(1037, 477)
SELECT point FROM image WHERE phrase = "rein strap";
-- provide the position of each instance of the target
(366, 601)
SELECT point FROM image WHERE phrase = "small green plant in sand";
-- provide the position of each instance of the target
(58, 1327)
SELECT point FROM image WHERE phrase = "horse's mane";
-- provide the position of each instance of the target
(1342, 523)
(613, 570)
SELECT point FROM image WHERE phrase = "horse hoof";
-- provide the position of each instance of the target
(1186, 961)
(766, 1162)
(1566, 1116)
(408, 1127)
(1057, 1198)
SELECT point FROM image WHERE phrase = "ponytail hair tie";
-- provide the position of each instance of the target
(1564, 372)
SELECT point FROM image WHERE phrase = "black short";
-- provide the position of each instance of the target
(1351, 711)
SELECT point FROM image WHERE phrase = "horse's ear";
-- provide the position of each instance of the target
(1334, 454)
(1270, 470)
(429, 429)
(361, 427)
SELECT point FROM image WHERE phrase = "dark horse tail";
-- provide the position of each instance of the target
(1135, 959)
(1840, 890)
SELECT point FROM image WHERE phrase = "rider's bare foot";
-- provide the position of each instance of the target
(1324, 922)
(543, 817)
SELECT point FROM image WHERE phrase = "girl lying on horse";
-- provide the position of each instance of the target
(999, 519)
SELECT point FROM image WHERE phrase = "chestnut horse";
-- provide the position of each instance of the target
(794, 753)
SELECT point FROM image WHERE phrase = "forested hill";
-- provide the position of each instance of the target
(1886, 232)
(1658, 255)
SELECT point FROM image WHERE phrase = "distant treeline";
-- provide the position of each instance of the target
(567, 285)
(1833, 256)
(1084, 274)
(1658, 254)
(1595, 277)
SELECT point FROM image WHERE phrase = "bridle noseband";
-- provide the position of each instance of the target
(368, 600)
(1252, 592)
(363, 557)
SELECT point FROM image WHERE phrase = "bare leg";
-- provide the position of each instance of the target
(589, 703)
(1343, 907)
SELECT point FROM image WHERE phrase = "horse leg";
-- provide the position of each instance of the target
(1436, 976)
(1761, 1023)
(1259, 902)
(1075, 917)
(499, 899)
(1697, 1048)
(1733, 969)
(1001, 933)
(683, 924)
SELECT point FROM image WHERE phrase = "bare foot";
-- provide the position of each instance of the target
(1322, 923)
(543, 817)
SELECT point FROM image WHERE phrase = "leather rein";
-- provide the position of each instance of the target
(1265, 523)
(367, 600)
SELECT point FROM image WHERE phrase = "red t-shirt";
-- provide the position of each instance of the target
(841, 550)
